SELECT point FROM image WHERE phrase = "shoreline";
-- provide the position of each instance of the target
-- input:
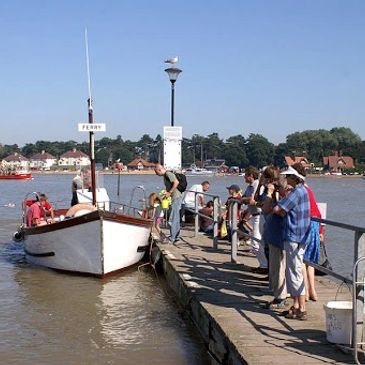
(151, 172)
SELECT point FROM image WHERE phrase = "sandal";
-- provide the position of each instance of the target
(297, 314)
(291, 310)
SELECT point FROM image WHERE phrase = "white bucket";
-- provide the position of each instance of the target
(339, 321)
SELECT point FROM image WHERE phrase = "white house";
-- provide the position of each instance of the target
(74, 158)
(42, 161)
(16, 161)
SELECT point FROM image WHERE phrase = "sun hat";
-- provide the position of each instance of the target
(234, 187)
(291, 171)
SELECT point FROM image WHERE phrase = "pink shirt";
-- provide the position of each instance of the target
(34, 212)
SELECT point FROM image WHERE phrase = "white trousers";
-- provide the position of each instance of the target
(258, 247)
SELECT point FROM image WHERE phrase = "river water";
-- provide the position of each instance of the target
(51, 318)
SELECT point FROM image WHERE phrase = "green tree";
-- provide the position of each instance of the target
(213, 146)
(234, 151)
(260, 152)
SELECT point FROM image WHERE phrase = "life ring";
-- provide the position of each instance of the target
(79, 209)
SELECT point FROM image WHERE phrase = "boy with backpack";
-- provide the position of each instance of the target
(174, 189)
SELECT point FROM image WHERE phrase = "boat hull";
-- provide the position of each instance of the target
(25, 176)
(98, 243)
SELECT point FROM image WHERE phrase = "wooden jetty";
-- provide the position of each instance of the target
(226, 302)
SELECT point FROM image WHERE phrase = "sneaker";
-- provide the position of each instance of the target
(165, 241)
(277, 304)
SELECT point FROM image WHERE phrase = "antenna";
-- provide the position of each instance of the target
(91, 121)
(88, 68)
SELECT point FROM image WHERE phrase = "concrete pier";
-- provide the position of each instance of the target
(226, 303)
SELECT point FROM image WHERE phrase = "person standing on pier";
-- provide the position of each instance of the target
(295, 209)
(252, 213)
(272, 235)
(171, 183)
(312, 251)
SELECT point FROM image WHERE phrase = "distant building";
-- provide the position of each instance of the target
(301, 159)
(140, 164)
(338, 163)
(42, 161)
(74, 158)
(16, 161)
(216, 165)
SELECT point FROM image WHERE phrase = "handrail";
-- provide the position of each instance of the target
(197, 214)
(339, 224)
(359, 256)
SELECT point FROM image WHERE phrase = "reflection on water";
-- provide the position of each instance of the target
(48, 317)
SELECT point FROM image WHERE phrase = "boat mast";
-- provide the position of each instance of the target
(91, 121)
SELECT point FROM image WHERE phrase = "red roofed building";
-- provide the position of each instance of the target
(42, 161)
(303, 160)
(74, 158)
(16, 161)
(140, 164)
(338, 163)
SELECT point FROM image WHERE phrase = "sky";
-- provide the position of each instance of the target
(265, 67)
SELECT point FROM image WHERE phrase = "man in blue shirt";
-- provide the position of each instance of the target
(295, 208)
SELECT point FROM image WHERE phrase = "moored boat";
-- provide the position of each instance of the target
(198, 172)
(90, 237)
(16, 176)
(91, 241)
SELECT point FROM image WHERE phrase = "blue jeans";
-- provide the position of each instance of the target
(174, 219)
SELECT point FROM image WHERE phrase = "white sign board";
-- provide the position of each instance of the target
(92, 127)
(172, 133)
(172, 147)
(172, 155)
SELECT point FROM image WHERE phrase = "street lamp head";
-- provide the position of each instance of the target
(173, 73)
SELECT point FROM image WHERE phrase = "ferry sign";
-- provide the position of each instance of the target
(92, 127)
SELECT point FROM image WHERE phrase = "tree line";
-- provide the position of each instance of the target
(236, 150)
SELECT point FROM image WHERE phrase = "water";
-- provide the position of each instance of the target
(48, 317)
(52, 318)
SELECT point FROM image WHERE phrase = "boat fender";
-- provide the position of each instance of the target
(18, 236)
(79, 209)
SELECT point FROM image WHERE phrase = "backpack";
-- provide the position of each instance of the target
(183, 183)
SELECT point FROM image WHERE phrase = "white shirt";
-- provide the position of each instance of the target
(189, 198)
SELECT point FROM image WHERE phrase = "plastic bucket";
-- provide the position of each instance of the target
(164, 203)
(339, 321)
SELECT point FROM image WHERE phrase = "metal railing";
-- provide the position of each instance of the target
(358, 285)
(215, 218)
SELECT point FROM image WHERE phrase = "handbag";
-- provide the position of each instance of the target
(224, 231)
(323, 261)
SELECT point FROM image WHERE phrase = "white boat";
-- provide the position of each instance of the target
(199, 172)
(92, 241)
(88, 238)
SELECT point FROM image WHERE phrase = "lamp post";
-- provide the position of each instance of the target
(173, 73)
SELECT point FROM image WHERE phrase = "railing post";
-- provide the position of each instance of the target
(196, 215)
(216, 214)
(233, 227)
(359, 246)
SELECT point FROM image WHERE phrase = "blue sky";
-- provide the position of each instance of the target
(267, 67)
